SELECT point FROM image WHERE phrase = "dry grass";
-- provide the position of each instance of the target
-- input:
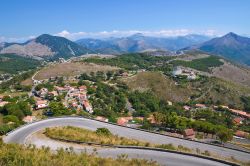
(80, 134)
(160, 85)
(243, 145)
(27, 82)
(71, 69)
(233, 73)
(13, 154)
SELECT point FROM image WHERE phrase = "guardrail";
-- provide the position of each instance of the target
(153, 132)
(147, 148)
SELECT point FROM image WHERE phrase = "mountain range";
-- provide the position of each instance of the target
(138, 43)
(230, 46)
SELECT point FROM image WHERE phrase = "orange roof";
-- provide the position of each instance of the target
(239, 112)
(237, 120)
(241, 133)
(122, 121)
(189, 132)
(83, 87)
(101, 118)
(186, 107)
(200, 105)
(86, 103)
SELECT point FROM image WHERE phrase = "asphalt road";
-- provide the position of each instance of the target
(20, 135)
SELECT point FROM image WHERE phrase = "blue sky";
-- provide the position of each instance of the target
(21, 19)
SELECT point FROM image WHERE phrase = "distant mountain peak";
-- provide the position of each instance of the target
(231, 35)
(230, 46)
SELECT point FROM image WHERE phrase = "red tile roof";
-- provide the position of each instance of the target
(241, 134)
(189, 132)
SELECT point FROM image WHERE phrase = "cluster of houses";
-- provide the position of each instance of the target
(42, 97)
(239, 116)
(181, 71)
(76, 98)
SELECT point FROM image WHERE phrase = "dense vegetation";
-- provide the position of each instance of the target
(202, 64)
(13, 64)
(13, 154)
(13, 113)
(130, 61)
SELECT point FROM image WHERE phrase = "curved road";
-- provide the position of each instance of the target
(20, 135)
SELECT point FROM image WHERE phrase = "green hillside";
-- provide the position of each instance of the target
(10, 63)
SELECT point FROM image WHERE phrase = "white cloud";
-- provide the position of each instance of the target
(118, 33)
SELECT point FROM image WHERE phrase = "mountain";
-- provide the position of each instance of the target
(138, 43)
(45, 47)
(230, 46)
(100, 46)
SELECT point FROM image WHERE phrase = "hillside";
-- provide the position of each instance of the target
(160, 85)
(71, 69)
(231, 46)
(45, 47)
(204, 90)
(214, 66)
(13, 64)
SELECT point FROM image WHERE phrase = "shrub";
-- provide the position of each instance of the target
(103, 131)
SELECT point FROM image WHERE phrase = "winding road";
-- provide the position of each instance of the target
(21, 134)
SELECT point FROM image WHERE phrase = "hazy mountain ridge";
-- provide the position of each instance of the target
(139, 42)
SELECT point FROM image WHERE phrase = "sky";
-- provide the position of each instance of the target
(74, 19)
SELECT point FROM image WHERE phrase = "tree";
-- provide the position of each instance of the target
(225, 135)
(58, 109)
(10, 118)
(103, 131)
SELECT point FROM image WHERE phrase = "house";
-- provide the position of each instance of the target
(29, 119)
(87, 106)
(124, 120)
(61, 90)
(240, 113)
(170, 103)
(189, 134)
(83, 88)
(101, 118)
(186, 107)
(3, 103)
(124, 74)
(238, 120)
(200, 106)
(41, 104)
(177, 71)
(43, 92)
(241, 134)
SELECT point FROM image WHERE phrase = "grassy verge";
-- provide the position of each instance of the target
(79, 134)
(105, 137)
(12, 154)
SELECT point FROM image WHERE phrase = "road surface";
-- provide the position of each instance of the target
(20, 135)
